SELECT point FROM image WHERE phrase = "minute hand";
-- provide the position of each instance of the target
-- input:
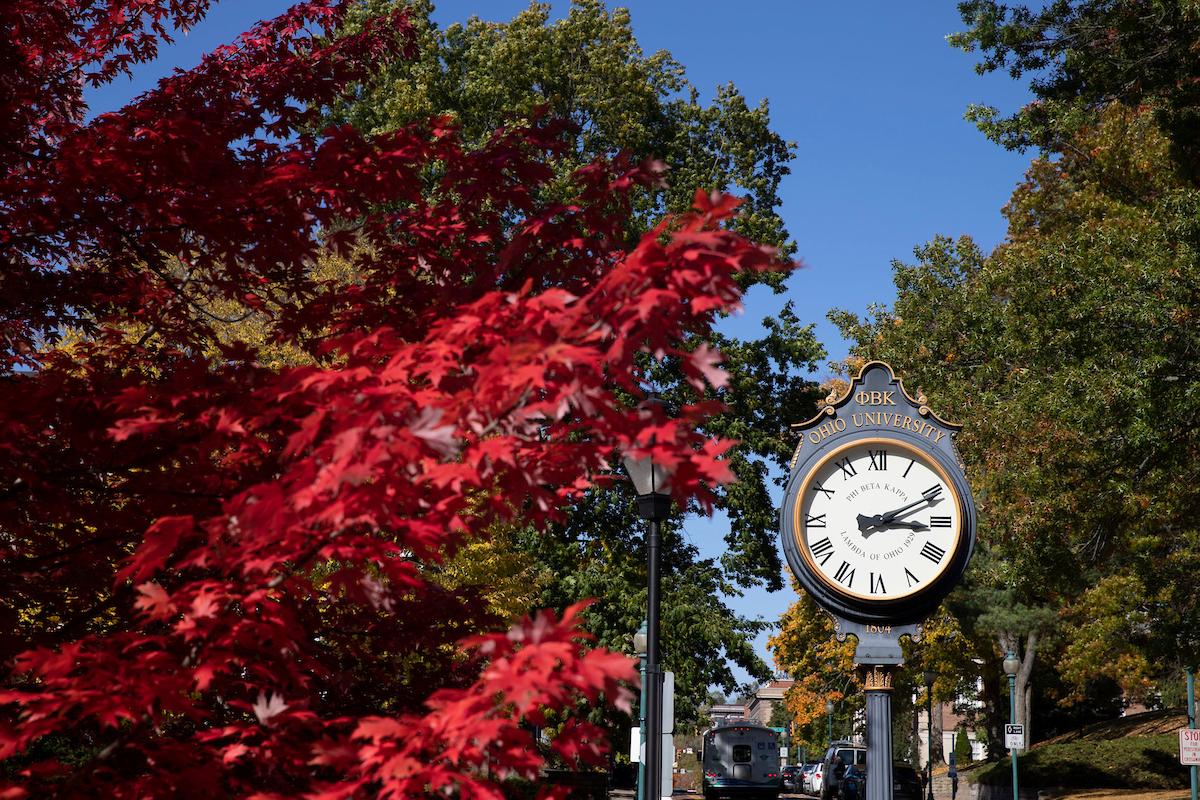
(929, 497)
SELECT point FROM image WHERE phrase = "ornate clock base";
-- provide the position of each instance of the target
(877, 657)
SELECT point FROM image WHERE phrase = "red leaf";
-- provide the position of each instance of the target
(154, 602)
(159, 543)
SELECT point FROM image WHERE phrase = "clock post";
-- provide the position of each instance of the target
(878, 525)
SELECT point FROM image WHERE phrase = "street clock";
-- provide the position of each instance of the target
(878, 523)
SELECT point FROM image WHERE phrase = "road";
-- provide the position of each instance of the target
(681, 794)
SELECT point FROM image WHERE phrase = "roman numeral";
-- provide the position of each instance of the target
(826, 492)
(911, 578)
(933, 552)
(906, 469)
(845, 574)
(847, 468)
(822, 548)
(817, 522)
(939, 522)
(932, 492)
(878, 459)
(877, 587)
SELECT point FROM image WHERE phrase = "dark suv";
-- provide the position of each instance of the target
(839, 757)
(906, 784)
(791, 777)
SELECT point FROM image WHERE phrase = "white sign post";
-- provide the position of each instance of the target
(668, 702)
(1014, 737)
(668, 766)
(1189, 746)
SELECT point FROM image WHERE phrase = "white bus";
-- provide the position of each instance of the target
(741, 759)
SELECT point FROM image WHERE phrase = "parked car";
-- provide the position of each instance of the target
(816, 779)
(790, 776)
(806, 778)
(838, 758)
(853, 785)
(906, 783)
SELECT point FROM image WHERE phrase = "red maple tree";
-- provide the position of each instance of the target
(216, 574)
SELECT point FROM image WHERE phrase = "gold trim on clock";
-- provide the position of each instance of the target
(834, 400)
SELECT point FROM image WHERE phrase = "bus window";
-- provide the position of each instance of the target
(742, 754)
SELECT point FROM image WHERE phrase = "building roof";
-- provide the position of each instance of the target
(773, 690)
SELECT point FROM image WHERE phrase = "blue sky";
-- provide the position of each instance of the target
(870, 92)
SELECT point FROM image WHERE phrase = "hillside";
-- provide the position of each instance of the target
(1150, 723)
(1134, 752)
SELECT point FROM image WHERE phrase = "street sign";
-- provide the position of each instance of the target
(635, 745)
(1014, 737)
(1189, 747)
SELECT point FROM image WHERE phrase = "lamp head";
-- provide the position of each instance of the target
(828, 706)
(930, 676)
(648, 477)
(1011, 663)
(640, 642)
(651, 481)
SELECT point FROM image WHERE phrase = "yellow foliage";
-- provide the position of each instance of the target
(806, 647)
(509, 578)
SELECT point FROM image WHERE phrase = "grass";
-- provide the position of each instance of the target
(1132, 762)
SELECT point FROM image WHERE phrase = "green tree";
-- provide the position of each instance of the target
(1068, 353)
(588, 68)
(962, 746)
(1085, 55)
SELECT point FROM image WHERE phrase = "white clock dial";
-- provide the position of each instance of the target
(878, 519)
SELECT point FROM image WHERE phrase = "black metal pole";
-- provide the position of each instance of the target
(653, 674)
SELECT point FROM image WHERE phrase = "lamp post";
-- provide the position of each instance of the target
(639, 647)
(1191, 715)
(1011, 665)
(829, 713)
(930, 675)
(652, 483)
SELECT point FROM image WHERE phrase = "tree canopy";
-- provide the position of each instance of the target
(225, 577)
(1081, 56)
(588, 67)
(1066, 353)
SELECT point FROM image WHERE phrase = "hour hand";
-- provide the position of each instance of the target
(878, 522)
(865, 522)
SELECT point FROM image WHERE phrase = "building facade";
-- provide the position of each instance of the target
(766, 698)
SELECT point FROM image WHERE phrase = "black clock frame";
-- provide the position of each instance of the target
(877, 406)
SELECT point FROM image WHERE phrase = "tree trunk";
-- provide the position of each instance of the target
(1023, 676)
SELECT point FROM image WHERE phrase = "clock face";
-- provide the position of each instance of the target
(878, 519)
